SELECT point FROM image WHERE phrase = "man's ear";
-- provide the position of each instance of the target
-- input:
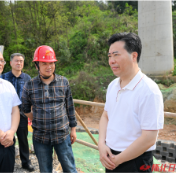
(36, 67)
(134, 56)
(10, 63)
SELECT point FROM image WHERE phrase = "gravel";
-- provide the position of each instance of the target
(18, 168)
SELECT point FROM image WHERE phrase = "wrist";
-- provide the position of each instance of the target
(13, 131)
(73, 129)
(119, 159)
(0, 132)
(101, 143)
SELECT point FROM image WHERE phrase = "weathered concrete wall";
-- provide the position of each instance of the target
(1, 49)
(156, 33)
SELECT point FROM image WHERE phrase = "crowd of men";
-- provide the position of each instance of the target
(129, 125)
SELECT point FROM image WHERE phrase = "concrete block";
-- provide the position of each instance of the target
(164, 146)
(164, 153)
(97, 132)
(171, 145)
(172, 152)
(158, 143)
(170, 159)
(157, 156)
(158, 149)
(78, 129)
(82, 130)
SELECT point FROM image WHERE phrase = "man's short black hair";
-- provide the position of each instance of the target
(132, 42)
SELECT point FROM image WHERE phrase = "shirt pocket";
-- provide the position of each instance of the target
(37, 97)
(59, 96)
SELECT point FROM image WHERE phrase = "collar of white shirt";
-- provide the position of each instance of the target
(132, 84)
(0, 80)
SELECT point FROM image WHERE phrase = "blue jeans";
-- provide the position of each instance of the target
(64, 152)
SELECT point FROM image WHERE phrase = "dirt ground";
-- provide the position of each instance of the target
(91, 118)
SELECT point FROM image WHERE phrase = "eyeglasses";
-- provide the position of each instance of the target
(3, 62)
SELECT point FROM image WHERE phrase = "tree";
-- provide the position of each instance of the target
(120, 5)
(103, 6)
(173, 5)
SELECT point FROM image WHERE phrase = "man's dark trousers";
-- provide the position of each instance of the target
(22, 133)
(7, 158)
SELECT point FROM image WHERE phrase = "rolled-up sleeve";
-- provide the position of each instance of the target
(26, 102)
(70, 107)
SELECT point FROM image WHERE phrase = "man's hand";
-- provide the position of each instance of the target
(7, 140)
(2, 135)
(29, 115)
(106, 156)
(116, 160)
(73, 135)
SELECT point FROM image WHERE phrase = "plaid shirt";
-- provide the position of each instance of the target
(53, 109)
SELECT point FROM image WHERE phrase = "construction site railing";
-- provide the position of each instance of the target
(166, 114)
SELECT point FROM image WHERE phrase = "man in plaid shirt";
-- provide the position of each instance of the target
(52, 112)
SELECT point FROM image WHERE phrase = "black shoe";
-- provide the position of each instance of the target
(29, 167)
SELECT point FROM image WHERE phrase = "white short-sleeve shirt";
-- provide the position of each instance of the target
(8, 99)
(136, 107)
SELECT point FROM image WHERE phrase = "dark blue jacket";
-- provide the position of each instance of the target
(18, 82)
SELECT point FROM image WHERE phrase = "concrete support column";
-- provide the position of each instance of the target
(156, 32)
(1, 49)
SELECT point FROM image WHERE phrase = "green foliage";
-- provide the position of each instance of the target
(173, 5)
(165, 81)
(78, 32)
(121, 6)
(86, 87)
(174, 30)
(174, 71)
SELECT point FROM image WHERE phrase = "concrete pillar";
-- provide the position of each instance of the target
(1, 49)
(156, 33)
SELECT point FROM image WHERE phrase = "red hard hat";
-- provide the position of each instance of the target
(44, 54)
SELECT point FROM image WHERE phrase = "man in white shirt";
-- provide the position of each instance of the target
(9, 121)
(133, 111)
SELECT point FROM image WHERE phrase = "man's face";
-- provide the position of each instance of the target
(1, 63)
(46, 68)
(17, 63)
(120, 60)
